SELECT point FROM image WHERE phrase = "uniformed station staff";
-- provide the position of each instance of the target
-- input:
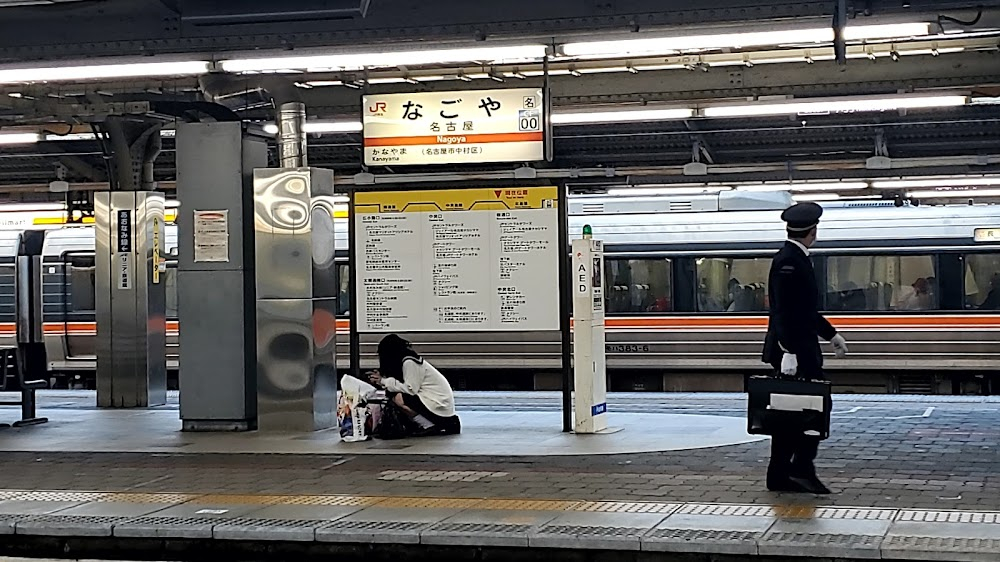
(792, 344)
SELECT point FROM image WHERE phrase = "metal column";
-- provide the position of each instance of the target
(130, 298)
(216, 295)
(296, 299)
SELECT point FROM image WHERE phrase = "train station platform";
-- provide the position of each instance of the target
(914, 478)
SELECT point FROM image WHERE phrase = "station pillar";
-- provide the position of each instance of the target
(296, 303)
(130, 299)
(215, 277)
(589, 372)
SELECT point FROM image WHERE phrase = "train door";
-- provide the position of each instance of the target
(77, 308)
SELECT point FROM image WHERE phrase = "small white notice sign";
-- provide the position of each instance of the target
(123, 261)
(211, 236)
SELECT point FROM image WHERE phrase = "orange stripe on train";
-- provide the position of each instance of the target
(659, 323)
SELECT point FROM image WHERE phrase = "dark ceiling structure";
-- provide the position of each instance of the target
(963, 55)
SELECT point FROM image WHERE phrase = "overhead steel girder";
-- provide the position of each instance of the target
(128, 27)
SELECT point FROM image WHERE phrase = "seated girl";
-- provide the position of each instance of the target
(416, 387)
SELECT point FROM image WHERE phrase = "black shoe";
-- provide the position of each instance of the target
(785, 485)
(454, 427)
(810, 485)
(426, 431)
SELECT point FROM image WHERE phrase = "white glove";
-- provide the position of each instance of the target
(789, 364)
(839, 346)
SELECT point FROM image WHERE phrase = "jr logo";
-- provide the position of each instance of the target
(379, 107)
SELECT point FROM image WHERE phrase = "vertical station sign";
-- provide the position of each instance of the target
(123, 259)
(465, 127)
(457, 260)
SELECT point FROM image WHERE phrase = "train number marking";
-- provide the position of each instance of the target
(625, 348)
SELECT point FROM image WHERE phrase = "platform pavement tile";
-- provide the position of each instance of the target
(821, 537)
(711, 530)
(378, 524)
(935, 535)
(501, 528)
(21, 508)
(94, 519)
(601, 531)
(282, 522)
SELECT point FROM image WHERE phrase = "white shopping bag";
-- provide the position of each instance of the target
(351, 415)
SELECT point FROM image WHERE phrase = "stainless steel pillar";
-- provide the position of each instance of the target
(215, 285)
(296, 299)
(130, 299)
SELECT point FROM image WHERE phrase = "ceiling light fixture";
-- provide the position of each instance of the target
(347, 61)
(19, 138)
(816, 197)
(68, 73)
(620, 116)
(825, 106)
(320, 127)
(954, 193)
(797, 187)
(937, 182)
(672, 44)
(652, 191)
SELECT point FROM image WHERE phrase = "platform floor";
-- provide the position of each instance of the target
(914, 478)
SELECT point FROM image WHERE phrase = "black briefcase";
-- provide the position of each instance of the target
(788, 405)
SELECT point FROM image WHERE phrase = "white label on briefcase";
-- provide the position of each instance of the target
(796, 402)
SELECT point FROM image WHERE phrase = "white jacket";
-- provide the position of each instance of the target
(421, 379)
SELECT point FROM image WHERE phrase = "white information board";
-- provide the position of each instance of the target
(211, 236)
(473, 126)
(457, 260)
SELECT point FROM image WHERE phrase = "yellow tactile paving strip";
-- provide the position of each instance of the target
(504, 504)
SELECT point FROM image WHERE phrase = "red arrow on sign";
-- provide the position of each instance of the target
(498, 192)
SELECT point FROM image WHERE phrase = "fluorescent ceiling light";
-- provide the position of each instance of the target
(647, 191)
(31, 207)
(344, 61)
(886, 31)
(936, 182)
(834, 106)
(816, 197)
(71, 137)
(318, 127)
(666, 45)
(955, 193)
(102, 71)
(620, 116)
(19, 138)
(816, 186)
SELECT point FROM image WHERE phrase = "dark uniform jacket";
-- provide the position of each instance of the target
(795, 324)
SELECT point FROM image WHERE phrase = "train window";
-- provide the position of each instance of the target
(343, 294)
(80, 277)
(982, 281)
(637, 285)
(170, 288)
(868, 283)
(732, 284)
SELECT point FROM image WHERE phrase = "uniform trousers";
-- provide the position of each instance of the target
(793, 453)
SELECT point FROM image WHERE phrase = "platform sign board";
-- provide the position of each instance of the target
(465, 127)
(457, 260)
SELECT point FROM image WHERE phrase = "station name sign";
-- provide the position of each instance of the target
(465, 127)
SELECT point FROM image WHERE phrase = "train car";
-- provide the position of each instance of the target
(914, 289)
(69, 302)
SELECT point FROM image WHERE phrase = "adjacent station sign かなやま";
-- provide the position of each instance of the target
(474, 126)
(457, 260)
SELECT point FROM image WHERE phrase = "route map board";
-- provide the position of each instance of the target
(457, 260)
